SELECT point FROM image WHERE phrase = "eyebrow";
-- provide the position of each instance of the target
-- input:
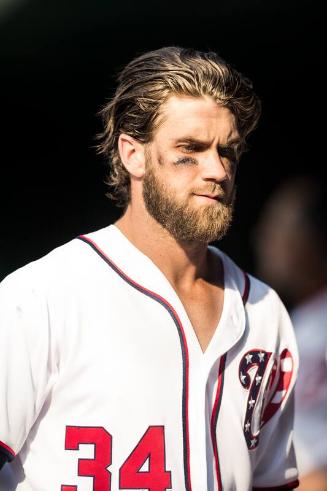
(203, 143)
(193, 141)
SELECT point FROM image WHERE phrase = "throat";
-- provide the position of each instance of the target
(204, 307)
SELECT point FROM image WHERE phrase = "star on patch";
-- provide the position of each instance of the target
(258, 380)
(261, 356)
(248, 358)
(242, 377)
(251, 403)
(253, 442)
(247, 426)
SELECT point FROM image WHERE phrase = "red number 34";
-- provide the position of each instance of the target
(151, 447)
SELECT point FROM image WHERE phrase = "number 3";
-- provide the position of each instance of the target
(150, 448)
(97, 467)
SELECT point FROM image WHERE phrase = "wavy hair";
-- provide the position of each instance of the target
(146, 83)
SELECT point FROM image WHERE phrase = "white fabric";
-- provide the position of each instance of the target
(82, 347)
(310, 430)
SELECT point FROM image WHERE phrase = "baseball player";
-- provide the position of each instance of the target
(138, 356)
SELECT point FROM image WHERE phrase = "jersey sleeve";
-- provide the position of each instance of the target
(25, 359)
(276, 467)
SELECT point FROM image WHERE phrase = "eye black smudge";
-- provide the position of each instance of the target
(185, 161)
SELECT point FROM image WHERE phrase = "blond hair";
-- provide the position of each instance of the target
(145, 84)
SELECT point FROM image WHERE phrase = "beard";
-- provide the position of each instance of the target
(205, 223)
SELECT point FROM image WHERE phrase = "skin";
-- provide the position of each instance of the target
(315, 481)
(184, 166)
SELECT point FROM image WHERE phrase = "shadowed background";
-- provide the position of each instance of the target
(58, 65)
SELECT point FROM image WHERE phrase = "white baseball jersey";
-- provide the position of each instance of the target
(104, 385)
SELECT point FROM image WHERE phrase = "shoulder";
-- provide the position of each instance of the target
(265, 312)
(248, 285)
(311, 312)
(69, 264)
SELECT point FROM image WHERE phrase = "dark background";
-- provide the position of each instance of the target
(58, 65)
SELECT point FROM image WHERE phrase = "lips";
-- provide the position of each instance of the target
(213, 192)
(216, 197)
(211, 196)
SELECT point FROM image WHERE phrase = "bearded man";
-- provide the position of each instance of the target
(138, 356)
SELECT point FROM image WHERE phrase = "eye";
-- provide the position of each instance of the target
(228, 153)
(189, 148)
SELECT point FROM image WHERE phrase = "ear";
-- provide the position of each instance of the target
(132, 155)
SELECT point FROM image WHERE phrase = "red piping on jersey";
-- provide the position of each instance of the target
(283, 487)
(182, 337)
(220, 386)
(8, 449)
(214, 417)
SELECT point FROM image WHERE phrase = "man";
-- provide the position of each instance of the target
(292, 233)
(137, 357)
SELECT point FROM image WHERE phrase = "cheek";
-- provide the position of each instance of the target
(230, 187)
(186, 183)
(181, 177)
(178, 179)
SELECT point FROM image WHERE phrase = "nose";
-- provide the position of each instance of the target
(213, 168)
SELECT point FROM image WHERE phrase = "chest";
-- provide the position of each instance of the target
(204, 308)
(138, 375)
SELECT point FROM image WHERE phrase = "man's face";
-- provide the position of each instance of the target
(188, 186)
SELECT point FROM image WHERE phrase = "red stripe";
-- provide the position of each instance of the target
(214, 417)
(10, 450)
(290, 485)
(171, 308)
(283, 385)
(215, 410)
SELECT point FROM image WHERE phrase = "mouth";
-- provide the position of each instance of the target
(209, 197)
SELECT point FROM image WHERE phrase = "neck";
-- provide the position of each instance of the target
(182, 263)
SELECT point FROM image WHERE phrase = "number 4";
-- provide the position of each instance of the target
(150, 448)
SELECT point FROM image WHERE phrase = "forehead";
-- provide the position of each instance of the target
(198, 117)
